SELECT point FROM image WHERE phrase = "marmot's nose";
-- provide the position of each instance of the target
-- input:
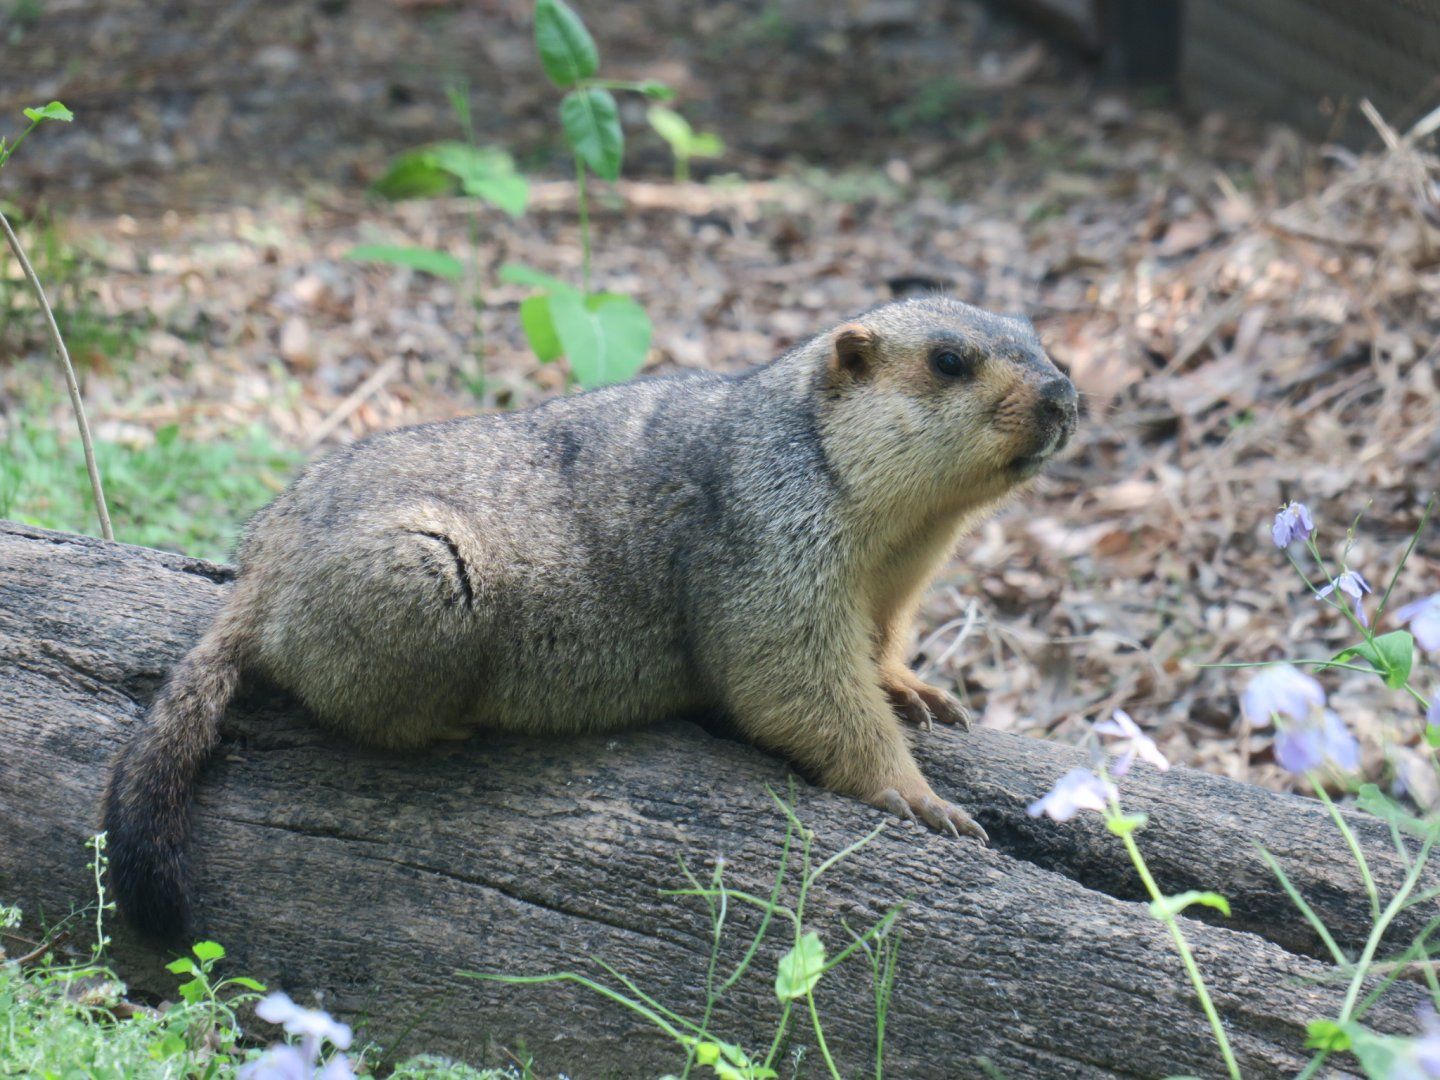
(1057, 402)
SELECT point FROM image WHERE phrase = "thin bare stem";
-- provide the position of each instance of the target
(70, 381)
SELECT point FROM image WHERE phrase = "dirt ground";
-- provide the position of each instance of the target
(1250, 317)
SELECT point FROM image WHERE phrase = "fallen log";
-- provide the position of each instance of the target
(371, 878)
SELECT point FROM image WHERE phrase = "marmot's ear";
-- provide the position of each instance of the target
(854, 351)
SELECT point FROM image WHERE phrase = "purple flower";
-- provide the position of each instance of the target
(1300, 747)
(1353, 585)
(277, 1063)
(1291, 523)
(1419, 1058)
(1078, 789)
(289, 1063)
(277, 1008)
(1432, 714)
(1424, 619)
(1132, 743)
(1281, 689)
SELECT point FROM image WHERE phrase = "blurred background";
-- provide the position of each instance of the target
(1222, 217)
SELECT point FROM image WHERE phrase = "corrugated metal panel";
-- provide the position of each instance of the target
(1301, 60)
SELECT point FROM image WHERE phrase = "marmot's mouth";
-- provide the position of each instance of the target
(1027, 465)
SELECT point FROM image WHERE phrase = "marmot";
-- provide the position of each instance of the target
(753, 544)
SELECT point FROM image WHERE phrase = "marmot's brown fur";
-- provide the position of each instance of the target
(755, 544)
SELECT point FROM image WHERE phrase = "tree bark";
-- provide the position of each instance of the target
(372, 878)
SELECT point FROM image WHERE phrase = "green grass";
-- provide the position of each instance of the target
(171, 492)
(60, 1020)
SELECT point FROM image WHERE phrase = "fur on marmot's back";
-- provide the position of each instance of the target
(755, 543)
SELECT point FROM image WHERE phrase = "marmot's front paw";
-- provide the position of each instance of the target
(919, 703)
(934, 811)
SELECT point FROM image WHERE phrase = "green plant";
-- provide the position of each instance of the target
(60, 1019)
(37, 116)
(684, 141)
(212, 999)
(797, 974)
(605, 336)
(485, 175)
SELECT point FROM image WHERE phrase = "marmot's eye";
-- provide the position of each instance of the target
(951, 365)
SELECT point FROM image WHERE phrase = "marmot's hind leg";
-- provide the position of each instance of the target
(384, 640)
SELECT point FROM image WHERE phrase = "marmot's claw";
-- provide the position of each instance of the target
(911, 707)
(948, 710)
(893, 801)
(921, 704)
(935, 812)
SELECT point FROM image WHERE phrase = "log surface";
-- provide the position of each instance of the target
(371, 878)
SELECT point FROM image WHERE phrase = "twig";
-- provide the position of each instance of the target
(44, 949)
(376, 379)
(56, 340)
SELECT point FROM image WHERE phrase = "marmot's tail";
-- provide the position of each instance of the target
(147, 803)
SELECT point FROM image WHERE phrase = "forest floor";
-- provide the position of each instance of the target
(1250, 319)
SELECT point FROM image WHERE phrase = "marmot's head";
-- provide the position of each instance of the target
(937, 395)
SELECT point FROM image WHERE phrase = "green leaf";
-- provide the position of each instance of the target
(440, 263)
(1432, 734)
(165, 436)
(183, 966)
(1389, 654)
(605, 337)
(706, 144)
(656, 90)
(726, 1071)
(539, 329)
(516, 274)
(193, 990)
(486, 172)
(591, 122)
(53, 111)
(208, 951)
(800, 968)
(248, 983)
(707, 1053)
(1169, 906)
(509, 193)
(1125, 824)
(1326, 1035)
(167, 1047)
(672, 127)
(567, 51)
(415, 175)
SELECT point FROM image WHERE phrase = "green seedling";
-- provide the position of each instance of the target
(684, 141)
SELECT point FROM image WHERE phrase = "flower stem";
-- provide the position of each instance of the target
(1365, 876)
(1385, 600)
(1377, 933)
(820, 1038)
(1181, 946)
